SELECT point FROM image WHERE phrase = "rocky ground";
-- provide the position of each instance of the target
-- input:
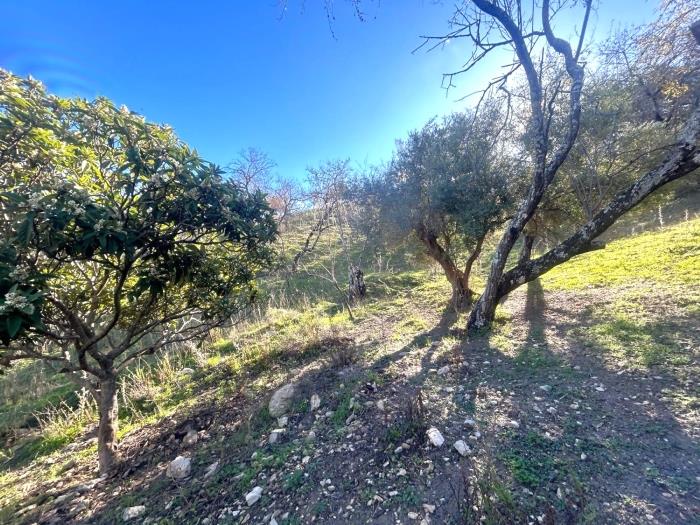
(544, 420)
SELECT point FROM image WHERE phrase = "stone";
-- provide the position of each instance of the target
(179, 468)
(282, 421)
(443, 370)
(435, 437)
(514, 424)
(276, 436)
(187, 371)
(211, 469)
(281, 400)
(253, 496)
(133, 512)
(413, 516)
(469, 423)
(380, 405)
(546, 388)
(190, 438)
(315, 402)
(428, 508)
(461, 447)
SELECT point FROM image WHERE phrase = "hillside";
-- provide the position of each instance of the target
(580, 406)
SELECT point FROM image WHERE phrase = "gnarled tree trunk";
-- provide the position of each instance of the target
(357, 289)
(108, 425)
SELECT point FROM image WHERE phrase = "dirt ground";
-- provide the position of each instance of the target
(563, 425)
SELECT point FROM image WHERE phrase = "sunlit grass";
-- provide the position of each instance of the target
(669, 256)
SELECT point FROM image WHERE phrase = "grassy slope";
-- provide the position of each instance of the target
(400, 313)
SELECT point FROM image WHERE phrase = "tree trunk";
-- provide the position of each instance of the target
(107, 429)
(461, 294)
(357, 289)
(526, 250)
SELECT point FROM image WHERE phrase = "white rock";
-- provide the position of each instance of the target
(380, 405)
(282, 421)
(546, 388)
(402, 472)
(443, 370)
(253, 496)
(281, 400)
(179, 468)
(315, 402)
(190, 438)
(469, 423)
(514, 424)
(412, 515)
(133, 512)
(461, 447)
(583, 456)
(211, 469)
(428, 508)
(187, 371)
(276, 435)
(435, 437)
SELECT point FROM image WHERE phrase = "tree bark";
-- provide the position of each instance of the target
(109, 422)
(526, 250)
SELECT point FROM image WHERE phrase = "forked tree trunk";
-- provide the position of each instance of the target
(461, 293)
(357, 289)
(109, 422)
(684, 159)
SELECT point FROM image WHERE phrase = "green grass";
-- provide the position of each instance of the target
(669, 256)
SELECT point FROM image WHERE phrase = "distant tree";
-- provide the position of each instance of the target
(118, 241)
(552, 124)
(253, 170)
(449, 186)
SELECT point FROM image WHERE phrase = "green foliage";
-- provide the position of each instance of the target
(126, 233)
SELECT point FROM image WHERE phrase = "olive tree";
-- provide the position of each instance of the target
(449, 186)
(126, 244)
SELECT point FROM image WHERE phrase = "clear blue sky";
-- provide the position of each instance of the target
(228, 75)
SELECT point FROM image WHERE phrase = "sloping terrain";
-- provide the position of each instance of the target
(580, 406)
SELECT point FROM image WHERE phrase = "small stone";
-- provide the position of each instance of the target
(443, 370)
(282, 421)
(276, 436)
(469, 423)
(514, 424)
(435, 437)
(428, 508)
(305, 460)
(253, 496)
(315, 402)
(179, 468)
(311, 436)
(574, 406)
(401, 472)
(190, 438)
(546, 388)
(281, 400)
(583, 456)
(413, 516)
(187, 371)
(461, 447)
(211, 469)
(380, 405)
(133, 512)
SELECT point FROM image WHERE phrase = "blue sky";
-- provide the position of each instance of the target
(228, 75)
